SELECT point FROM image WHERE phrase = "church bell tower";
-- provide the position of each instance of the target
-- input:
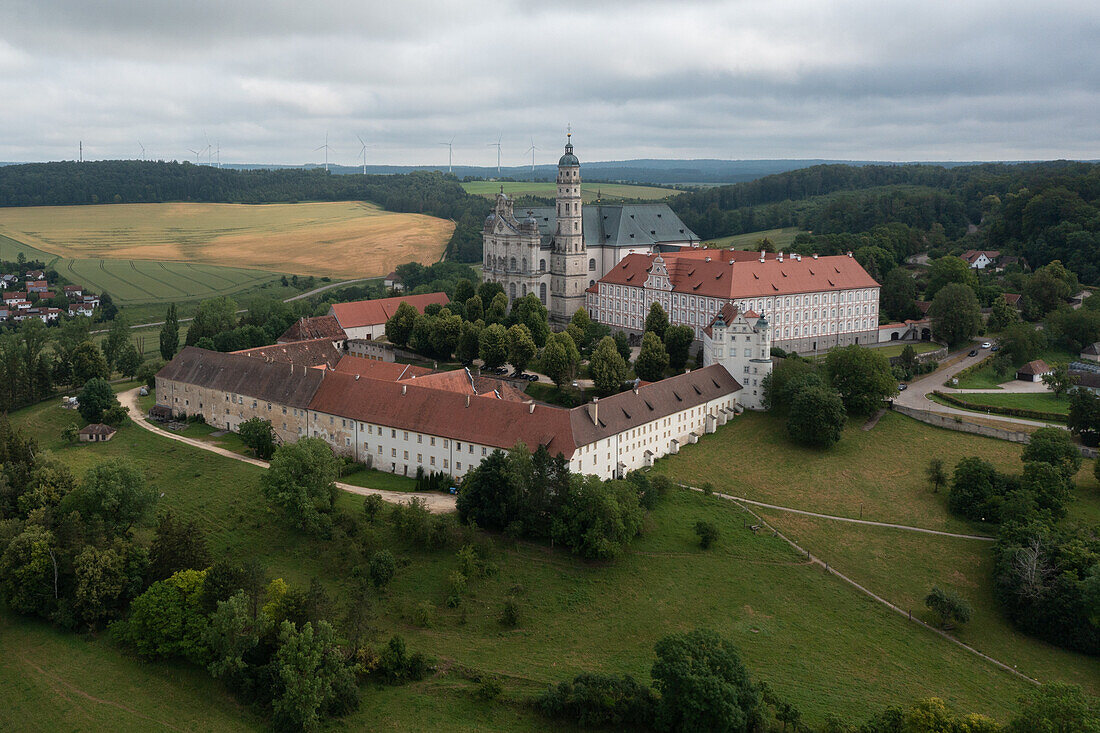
(569, 257)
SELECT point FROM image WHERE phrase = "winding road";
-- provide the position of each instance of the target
(436, 503)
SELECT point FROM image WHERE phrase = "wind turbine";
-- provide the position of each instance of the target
(497, 146)
(219, 153)
(325, 148)
(142, 149)
(197, 154)
(363, 153)
(532, 150)
(450, 150)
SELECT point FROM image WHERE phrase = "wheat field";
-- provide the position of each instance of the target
(341, 239)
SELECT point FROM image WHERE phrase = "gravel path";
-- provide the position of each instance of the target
(437, 503)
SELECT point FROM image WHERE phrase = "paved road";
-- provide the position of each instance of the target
(437, 503)
(245, 310)
(915, 396)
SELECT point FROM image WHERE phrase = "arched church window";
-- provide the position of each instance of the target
(542, 266)
(542, 292)
(525, 264)
(525, 291)
(512, 291)
(512, 265)
(592, 265)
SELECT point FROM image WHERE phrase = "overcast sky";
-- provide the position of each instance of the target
(266, 79)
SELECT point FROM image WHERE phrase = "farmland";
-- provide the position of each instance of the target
(607, 192)
(781, 239)
(339, 239)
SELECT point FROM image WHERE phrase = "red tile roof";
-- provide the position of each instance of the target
(744, 279)
(410, 406)
(305, 329)
(971, 255)
(318, 352)
(1012, 298)
(1034, 367)
(374, 312)
(388, 371)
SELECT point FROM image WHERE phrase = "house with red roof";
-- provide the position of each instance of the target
(366, 319)
(979, 259)
(812, 303)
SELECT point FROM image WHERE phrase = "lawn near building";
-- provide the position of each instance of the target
(1038, 401)
(880, 470)
(791, 620)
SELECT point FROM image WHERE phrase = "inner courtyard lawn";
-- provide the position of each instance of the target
(819, 643)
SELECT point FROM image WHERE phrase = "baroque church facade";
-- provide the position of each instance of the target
(558, 252)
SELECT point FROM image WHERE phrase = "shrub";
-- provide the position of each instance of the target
(397, 666)
(595, 700)
(424, 614)
(383, 566)
(949, 607)
(708, 533)
(509, 616)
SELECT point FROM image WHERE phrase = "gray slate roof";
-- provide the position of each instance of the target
(621, 225)
(287, 384)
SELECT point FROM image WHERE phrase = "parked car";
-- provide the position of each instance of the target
(973, 352)
(902, 387)
(532, 377)
(996, 347)
(500, 370)
(986, 345)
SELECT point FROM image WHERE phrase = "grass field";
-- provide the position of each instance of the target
(920, 347)
(986, 378)
(1040, 401)
(340, 238)
(137, 283)
(781, 239)
(880, 470)
(816, 641)
(903, 566)
(607, 192)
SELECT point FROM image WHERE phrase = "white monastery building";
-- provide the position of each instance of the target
(557, 253)
(812, 303)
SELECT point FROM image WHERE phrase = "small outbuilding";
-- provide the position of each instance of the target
(1033, 371)
(96, 433)
(1091, 352)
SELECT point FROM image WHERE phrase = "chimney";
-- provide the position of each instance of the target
(815, 255)
(531, 407)
(778, 256)
(467, 400)
(594, 410)
(356, 377)
(849, 254)
(762, 254)
(404, 388)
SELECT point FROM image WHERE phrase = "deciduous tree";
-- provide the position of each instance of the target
(301, 483)
(862, 377)
(521, 347)
(607, 367)
(816, 417)
(955, 313)
(493, 348)
(678, 340)
(652, 358)
(657, 320)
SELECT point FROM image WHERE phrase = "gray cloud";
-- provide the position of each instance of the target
(744, 79)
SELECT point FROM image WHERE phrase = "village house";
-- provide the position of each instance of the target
(37, 286)
(35, 275)
(81, 309)
(979, 259)
(96, 433)
(1033, 371)
(15, 295)
(366, 319)
(393, 282)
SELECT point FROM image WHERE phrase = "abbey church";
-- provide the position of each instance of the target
(558, 253)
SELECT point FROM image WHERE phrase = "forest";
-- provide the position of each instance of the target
(1040, 211)
(134, 181)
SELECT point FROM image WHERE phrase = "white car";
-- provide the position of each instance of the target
(986, 344)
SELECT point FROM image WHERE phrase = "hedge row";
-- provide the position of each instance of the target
(974, 367)
(997, 410)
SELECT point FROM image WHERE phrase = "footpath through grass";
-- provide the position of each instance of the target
(904, 566)
(820, 644)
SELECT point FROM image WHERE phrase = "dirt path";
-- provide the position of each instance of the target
(903, 527)
(436, 503)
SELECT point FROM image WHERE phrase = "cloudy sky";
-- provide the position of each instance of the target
(267, 79)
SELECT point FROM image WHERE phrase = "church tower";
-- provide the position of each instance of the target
(569, 257)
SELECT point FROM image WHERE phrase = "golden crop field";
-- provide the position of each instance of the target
(341, 238)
